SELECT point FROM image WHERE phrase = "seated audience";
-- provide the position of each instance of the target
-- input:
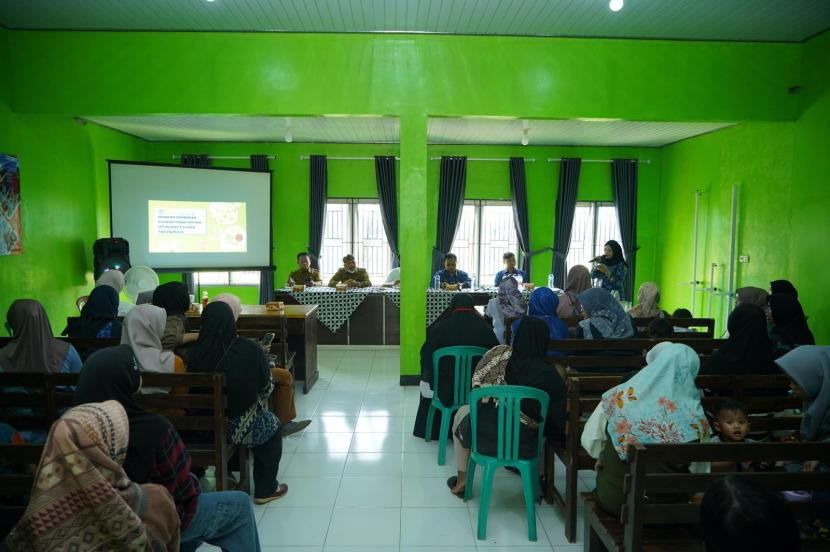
(508, 304)
(808, 367)
(752, 295)
(84, 500)
(248, 386)
(682, 313)
(305, 275)
(156, 454)
(578, 280)
(451, 275)
(143, 330)
(611, 269)
(283, 380)
(509, 260)
(783, 286)
(523, 364)
(393, 279)
(99, 316)
(747, 349)
(34, 347)
(648, 302)
(738, 516)
(543, 305)
(660, 328)
(174, 299)
(730, 422)
(351, 275)
(789, 325)
(604, 317)
(464, 326)
(662, 395)
(115, 280)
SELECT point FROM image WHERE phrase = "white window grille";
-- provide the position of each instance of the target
(355, 226)
(225, 278)
(594, 224)
(485, 233)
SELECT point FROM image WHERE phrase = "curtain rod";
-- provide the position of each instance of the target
(229, 157)
(558, 159)
(335, 158)
(529, 160)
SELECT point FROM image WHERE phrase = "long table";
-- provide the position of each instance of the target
(302, 334)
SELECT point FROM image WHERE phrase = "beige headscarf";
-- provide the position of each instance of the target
(578, 280)
(112, 278)
(648, 297)
(232, 301)
(143, 329)
(754, 295)
(83, 500)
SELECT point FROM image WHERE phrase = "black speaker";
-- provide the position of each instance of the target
(110, 254)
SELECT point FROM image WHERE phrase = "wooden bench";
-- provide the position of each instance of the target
(16, 485)
(671, 523)
(707, 325)
(585, 393)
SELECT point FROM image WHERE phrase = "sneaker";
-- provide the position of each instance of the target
(293, 427)
(282, 490)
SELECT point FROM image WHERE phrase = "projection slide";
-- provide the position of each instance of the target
(197, 227)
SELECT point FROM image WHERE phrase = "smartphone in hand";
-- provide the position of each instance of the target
(267, 339)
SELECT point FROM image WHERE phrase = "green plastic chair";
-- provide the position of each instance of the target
(507, 450)
(463, 356)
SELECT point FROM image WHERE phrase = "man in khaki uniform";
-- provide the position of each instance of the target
(305, 275)
(350, 274)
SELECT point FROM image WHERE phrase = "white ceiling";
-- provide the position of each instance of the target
(754, 20)
(384, 130)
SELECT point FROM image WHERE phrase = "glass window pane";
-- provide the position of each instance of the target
(371, 247)
(245, 278)
(498, 235)
(464, 245)
(336, 238)
(582, 238)
(608, 227)
(212, 278)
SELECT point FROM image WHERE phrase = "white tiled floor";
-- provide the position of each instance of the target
(360, 482)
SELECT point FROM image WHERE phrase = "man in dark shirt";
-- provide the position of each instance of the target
(350, 274)
(451, 275)
(305, 275)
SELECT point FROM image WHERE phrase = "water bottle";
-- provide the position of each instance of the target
(436, 282)
(472, 281)
(550, 281)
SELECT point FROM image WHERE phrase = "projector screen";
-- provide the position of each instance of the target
(191, 218)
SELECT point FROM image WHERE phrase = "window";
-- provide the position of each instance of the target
(485, 233)
(594, 224)
(355, 226)
(237, 278)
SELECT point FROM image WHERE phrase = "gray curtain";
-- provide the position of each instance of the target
(388, 197)
(259, 163)
(624, 181)
(565, 208)
(450, 203)
(317, 185)
(193, 160)
(518, 192)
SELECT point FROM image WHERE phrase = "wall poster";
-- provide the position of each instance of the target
(11, 236)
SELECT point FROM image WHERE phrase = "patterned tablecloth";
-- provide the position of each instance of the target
(439, 300)
(335, 307)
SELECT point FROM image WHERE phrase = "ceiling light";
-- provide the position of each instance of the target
(615, 5)
(525, 139)
(288, 136)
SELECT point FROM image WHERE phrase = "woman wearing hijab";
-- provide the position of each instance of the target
(34, 348)
(83, 499)
(659, 404)
(112, 278)
(523, 364)
(808, 367)
(648, 302)
(464, 326)
(143, 329)
(99, 317)
(604, 317)
(156, 454)
(783, 286)
(284, 405)
(748, 349)
(751, 295)
(578, 280)
(508, 304)
(248, 386)
(612, 268)
(544, 304)
(789, 325)
(174, 299)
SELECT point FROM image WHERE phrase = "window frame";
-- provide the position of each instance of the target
(595, 206)
(478, 218)
(228, 281)
(352, 203)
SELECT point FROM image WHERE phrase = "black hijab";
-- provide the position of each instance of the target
(100, 309)
(219, 349)
(527, 367)
(789, 319)
(112, 374)
(783, 286)
(172, 297)
(616, 249)
(748, 349)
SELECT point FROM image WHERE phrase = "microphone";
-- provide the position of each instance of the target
(596, 259)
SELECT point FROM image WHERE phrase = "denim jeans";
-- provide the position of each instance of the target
(224, 519)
